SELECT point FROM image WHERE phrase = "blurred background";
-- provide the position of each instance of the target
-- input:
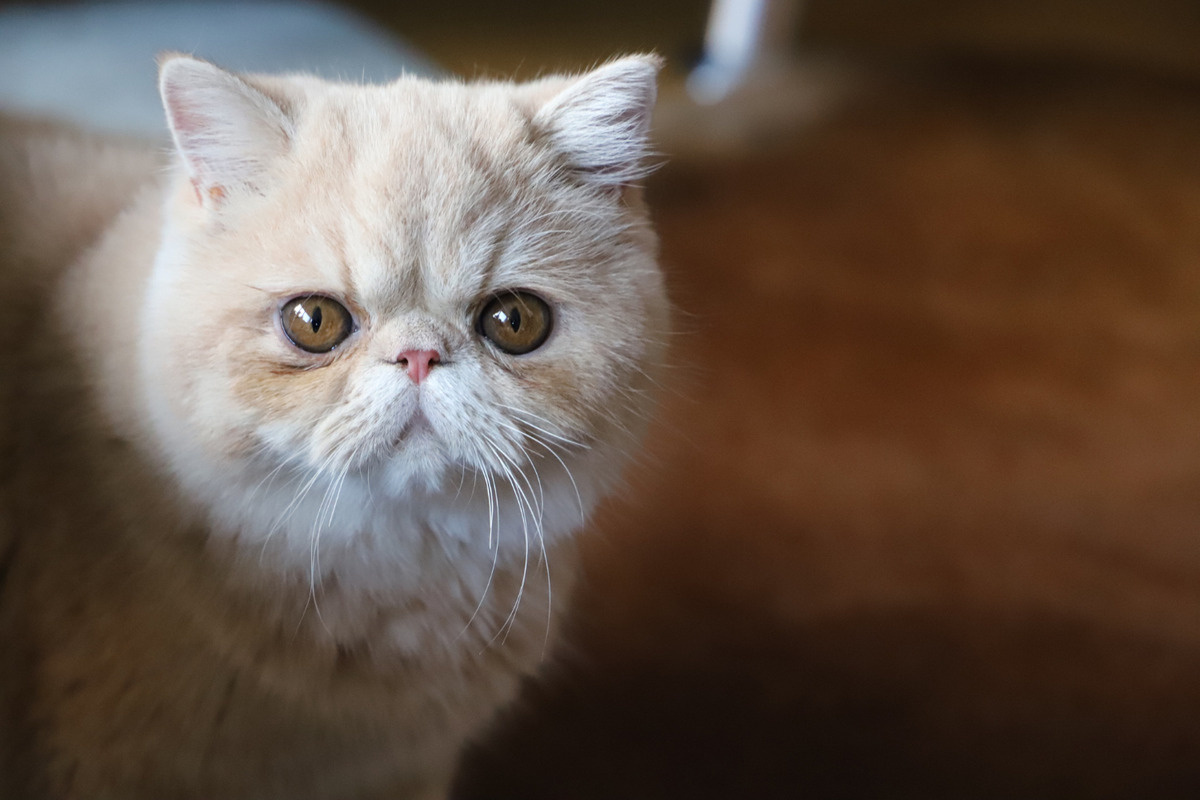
(920, 517)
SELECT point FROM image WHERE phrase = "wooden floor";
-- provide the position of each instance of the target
(922, 514)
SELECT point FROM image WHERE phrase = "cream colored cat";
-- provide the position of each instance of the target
(296, 431)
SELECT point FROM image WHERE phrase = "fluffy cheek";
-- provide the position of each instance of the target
(365, 419)
(463, 407)
(491, 417)
(196, 351)
(575, 399)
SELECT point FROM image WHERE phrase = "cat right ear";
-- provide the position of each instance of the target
(226, 131)
(601, 121)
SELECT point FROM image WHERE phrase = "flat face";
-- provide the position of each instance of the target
(397, 220)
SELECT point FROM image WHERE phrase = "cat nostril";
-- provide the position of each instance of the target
(418, 363)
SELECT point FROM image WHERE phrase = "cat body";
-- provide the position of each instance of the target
(236, 563)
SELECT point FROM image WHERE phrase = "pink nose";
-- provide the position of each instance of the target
(418, 363)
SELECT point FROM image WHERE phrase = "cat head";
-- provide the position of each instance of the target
(417, 280)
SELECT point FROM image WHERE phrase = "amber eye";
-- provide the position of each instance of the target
(316, 323)
(516, 322)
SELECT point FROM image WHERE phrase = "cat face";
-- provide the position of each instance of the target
(412, 281)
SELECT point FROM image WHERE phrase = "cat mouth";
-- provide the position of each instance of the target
(417, 427)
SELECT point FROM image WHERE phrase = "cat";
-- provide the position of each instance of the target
(299, 420)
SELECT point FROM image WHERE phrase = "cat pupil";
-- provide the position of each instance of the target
(316, 319)
(514, 320)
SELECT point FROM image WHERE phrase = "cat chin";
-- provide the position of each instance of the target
(419, 466)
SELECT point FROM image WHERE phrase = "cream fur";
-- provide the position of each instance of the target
(234, 569)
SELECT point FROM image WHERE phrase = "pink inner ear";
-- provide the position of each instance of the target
(225, 130)
(216, 192)
(185, 124)
(180, 118)
(183, 119)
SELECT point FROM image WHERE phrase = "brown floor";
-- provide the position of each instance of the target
(922, 516)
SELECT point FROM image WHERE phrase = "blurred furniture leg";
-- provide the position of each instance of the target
(743, 36)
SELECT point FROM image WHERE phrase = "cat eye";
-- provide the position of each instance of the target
(516, 322)
(316, 323)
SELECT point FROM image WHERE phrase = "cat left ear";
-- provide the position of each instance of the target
(601, 122)
(227, 131)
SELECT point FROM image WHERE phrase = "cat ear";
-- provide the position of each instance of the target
(227, 131)
(601, 122)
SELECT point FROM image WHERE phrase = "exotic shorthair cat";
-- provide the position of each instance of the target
(295, 430)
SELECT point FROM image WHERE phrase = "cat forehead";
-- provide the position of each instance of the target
(411, 127)
(418, 155)
(413, 184)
